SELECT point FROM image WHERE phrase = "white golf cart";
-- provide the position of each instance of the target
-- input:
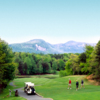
(29, 88)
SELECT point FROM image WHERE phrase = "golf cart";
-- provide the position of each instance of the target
(29, 88)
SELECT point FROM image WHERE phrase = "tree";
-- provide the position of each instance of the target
(46, 58)
(65, 57)
(61, 64)
(36, 57)
(95, 61)
(46, 67)
(72, 65)
(39, 67)
(23, 55)
(82, 57)
(88, 50)
(25, 68)
(68, 68)
(21, 67)
(33, 67)
(54, 66)
(2, 64)
(29, 64)
(75, 64)
(85, 58)
(16, 60)
(7, 67)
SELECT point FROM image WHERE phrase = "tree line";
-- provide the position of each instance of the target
(31, 63)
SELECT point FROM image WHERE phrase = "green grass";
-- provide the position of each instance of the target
(5, 94)
(55, 87)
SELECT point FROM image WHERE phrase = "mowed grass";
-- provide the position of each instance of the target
(55, 87)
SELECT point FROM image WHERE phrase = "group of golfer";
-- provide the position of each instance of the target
(77, 84)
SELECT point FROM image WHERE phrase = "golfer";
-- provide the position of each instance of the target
(69, 85)
(82, 83)
(77, 84)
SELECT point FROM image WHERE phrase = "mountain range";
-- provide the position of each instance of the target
(41, 46)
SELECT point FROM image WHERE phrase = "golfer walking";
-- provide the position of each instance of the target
(69, 85)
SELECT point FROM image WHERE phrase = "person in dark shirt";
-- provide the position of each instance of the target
(77, 84)
(82, 83)
(33, 91)
(16, 93)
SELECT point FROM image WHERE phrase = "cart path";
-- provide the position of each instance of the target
(28, 97)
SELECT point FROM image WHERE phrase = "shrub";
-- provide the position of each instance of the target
(63, 73)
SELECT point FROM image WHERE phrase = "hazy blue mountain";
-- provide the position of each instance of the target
(73, 46)
(41, 46)
(34, 46)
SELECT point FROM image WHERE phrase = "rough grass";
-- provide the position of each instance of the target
(55, 87)
(5, 94)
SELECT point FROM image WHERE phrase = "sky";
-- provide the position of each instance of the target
(55, 21)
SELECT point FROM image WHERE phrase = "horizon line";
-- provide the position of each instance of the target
(49, 42)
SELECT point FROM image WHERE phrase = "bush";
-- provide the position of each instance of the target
(53, 71)
(63, 73)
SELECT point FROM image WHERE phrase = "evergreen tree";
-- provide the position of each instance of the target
(95, 61)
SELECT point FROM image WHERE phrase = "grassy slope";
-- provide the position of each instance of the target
(51, 86)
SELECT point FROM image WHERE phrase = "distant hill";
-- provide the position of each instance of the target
(73, 46)
(41, 46)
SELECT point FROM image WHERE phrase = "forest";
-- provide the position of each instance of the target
(24, 63)
(30, 63)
